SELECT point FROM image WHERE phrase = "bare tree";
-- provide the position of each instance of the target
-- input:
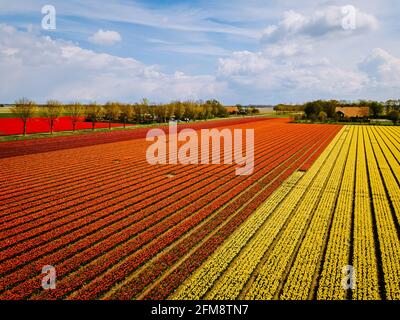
(75, 111)
(93, 113)
(111, 112)
(52, 110)
(24, 109)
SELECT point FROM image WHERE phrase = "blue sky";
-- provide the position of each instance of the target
(262, 52)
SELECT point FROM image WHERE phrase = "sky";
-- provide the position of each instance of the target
(247, 52)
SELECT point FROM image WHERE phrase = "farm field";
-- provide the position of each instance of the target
(345, 210)
(115, 227)
(18, 148)
(199, 159)
(13, 126)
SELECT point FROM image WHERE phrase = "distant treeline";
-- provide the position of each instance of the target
(327, 109)
(141, 112)
(241, 109)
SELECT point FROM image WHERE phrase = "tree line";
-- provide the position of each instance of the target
(324, 110)
(142, 112)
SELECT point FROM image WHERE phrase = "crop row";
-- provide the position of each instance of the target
(119, 272)
(386, 227)
(364, 258)
(305, 267)
(71, 176)
(204, 208)
(279, 251)
(85, 205)
(196, 283)
(43, 169)
(17, 148)
(170, 282)
(203, 278)
(104, 166)
(248, 260)
(130, 235)
(338, 247)
(149, 179)
(168, 222)
(87, 213)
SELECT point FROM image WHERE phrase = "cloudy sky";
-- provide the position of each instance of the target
(253, 51)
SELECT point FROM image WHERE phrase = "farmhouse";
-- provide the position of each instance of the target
(352, 112)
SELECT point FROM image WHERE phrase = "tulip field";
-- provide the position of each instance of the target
(321, 197)
(12, 126)
(345, 210)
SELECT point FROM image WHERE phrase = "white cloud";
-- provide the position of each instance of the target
(42, 68)
(305, 54)
(304, 76)
(243, 63)
(295, 64)
(324, 22)
(382, 68)
(105, 37)
(288, 49)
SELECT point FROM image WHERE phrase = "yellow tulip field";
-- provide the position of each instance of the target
(331, 232)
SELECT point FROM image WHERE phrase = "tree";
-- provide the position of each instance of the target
(170, 110)
(178, 110)
(389, 104)
(189, 110)
(392, 105)
(145, 111)
(278, 108)
(145, 101)
(137, 112)
(111, 112)
(312, 109)
(322, 116)
(287, 108)
(24, 109)
(52, 110)
(253, 110)
(313, 117)
(126, 113)
(375, 108)
(93, 113)
(329, 107)
(394, 116)
(220, 110)
(197, 112)
(75, 111)
(206, 111)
